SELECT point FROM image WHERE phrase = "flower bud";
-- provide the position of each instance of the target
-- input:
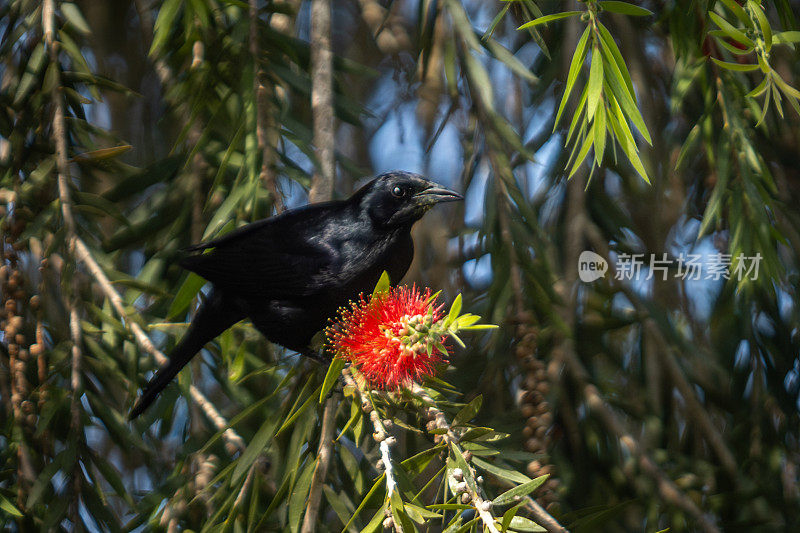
(388, 523)
(466, 498)
(486, 505)
(458, 474)
(461, 487)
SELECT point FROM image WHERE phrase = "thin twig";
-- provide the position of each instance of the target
(379, 434)
(481, 506)
(666, 487)
(59, 134)
(693, 407)
(233, 440)
(324, 456)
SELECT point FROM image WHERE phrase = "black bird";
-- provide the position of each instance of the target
(290, 273)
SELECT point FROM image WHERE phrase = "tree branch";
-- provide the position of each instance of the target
(322, 100)
(265, 128)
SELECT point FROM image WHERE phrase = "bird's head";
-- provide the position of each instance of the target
(401, 198)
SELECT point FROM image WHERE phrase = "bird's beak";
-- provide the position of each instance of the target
(436, 194)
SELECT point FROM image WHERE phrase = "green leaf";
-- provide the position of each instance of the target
(738, 67)
(587, 144)
(186, 293)
(625, 98)
(331, 377)
(520, 523)
(253, 450)
(75, 17)
(297, 499)
(729, 30)
(574, 69)
(763, 23)
(383, 285)
(510, 60)
(625, 139)
(738, 11)
(36, 61)
(164, 23)
(595, 82)
(9, 507)
(468, 412)
(624, 8)
(364, 502)
(609, 46)
(599, 131)
(454, 310)
(786, 37)
(479, 79)
(499, 471)
(512, 495)
(549, 18)
(509, 515)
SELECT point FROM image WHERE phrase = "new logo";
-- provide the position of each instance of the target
(591, 266)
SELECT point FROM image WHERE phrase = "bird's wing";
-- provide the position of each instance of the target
(274, 258)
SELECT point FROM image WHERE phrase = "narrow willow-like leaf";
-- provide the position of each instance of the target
(729, 30)
(520, 523)
(624, 8)
(595, 84)
(75, 17)
(164, 23)
(737, 10)
(519, 491)
(588, 141)
(610, 46)
(331, 377)
(574, 69)
(254, 449)
(625, 99)
(599, 130)
(786, 37)
(499, 471)
(549, 18)
(763, 23)
(625, 138)
(738, 67)
(468, 412)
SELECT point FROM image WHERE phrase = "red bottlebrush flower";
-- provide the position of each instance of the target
(387, 337)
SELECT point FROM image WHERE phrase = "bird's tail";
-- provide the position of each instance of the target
(215, 315)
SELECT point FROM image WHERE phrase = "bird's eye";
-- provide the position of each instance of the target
(398, 191)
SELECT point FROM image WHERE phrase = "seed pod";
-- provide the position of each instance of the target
(35, 302)
(527, 410)
(19, 338)
(36, 350)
